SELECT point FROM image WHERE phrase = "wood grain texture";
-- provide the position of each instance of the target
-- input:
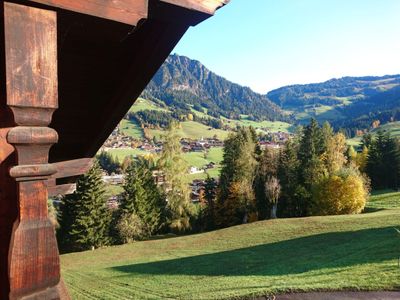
(124, 11)
(31, 54)
(31, 76)
(72, 167)
(62, 189)
(205, 6)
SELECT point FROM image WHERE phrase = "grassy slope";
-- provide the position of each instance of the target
(192, 158)
(337, 252)
(393, 128)
(193, 129)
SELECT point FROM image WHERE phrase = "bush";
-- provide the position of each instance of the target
(132, 228)
(345, 192)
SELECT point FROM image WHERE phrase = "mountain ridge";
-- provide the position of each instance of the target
(185, 84)
(182, 82)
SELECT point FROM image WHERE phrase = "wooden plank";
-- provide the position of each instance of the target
(205, 6)
(124, 11)
(30, 52)
(62, 189)
(72, 167)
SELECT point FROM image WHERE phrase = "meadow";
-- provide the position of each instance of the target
(393, 128)
(196, 130)
(347, 252)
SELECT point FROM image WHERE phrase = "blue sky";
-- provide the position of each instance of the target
(266, 44)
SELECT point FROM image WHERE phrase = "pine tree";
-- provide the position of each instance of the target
(292, 199)
(142, 196)
(238, 166)
(108, 163)
(84, 216)
(210, 194)
(175, 169)
(312, 169)
(267, 167)
(366, 140)
(310, 149)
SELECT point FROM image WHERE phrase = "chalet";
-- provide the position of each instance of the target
(195, 170)
(114, 179)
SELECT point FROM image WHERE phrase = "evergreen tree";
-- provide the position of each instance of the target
(108, 163)
(383, 165)
(366, 140)
(210, 194)
(267, 167)
(238, 166)
(312, 168)
(142, 197)
(292, 194)
(84, 216)
(175, 169)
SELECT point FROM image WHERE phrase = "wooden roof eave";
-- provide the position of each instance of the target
(130, 11)
(204, 6)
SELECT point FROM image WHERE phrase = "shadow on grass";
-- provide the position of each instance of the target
(329, 250)
(369, 209)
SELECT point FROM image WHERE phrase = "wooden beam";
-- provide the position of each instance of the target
(124, 11)
(62, 189)
(72, 168)
(205, 6)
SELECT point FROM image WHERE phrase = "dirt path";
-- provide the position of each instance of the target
(384, 295)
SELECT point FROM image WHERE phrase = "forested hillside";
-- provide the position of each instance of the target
(184, 83)
(350, 102)
(185, 90)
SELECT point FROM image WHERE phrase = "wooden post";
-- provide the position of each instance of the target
(31, 76)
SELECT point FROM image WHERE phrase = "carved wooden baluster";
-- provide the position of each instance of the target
(31, 75)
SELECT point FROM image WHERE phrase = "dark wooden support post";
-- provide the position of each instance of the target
(31, 76)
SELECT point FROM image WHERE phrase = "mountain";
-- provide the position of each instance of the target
(332, 92)
(339, 99)
(352, 103)
(383, 107)
(184, 83)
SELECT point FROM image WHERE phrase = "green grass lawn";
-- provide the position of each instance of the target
(194, 130)
(144, 104)
(357, 252)
(121, 153)
(131, 128)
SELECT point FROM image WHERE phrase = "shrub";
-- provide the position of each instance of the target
(132, 228)
(344, 192)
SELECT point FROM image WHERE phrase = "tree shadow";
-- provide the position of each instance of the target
(329, 250)
(369, 209)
